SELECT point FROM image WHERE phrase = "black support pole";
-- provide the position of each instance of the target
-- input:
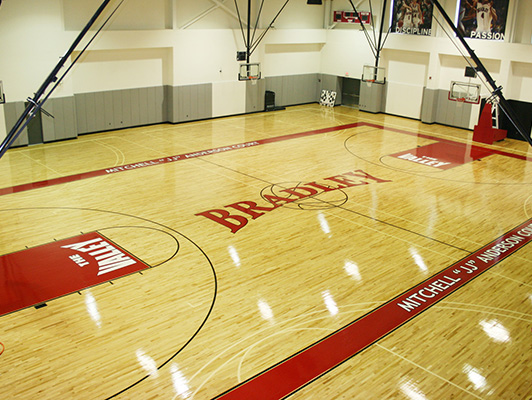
(34, 103)
(497, 90)
(248, 45)
(379, 45)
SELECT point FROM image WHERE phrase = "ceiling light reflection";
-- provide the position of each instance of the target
(147, 363)
(495, 330)
(410, 389)
(92, 308)
(330, 303)
(324, 224)
(179, 381)
(352, 270)
(476, 378)
(234, 255)
(265, 310)
(418, 259)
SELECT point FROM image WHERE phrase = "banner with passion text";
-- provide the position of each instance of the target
(483, 19)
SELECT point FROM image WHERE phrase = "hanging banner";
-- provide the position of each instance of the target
(412, 17)
(483, 19)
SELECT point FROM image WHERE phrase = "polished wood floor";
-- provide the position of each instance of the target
(228, 297)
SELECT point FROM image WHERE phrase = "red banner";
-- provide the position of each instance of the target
(351, 17)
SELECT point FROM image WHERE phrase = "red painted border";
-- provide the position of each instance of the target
(185, 156)
(293, 373)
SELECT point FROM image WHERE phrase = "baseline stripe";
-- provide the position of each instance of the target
(309, 364)
(186, 156)
(166, 160)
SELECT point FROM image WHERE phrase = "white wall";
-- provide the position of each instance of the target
(228, 98)
(101, 70)
(132, 14)
(345, 53)
(407, 76)
(33, 39)
(144, 46)
(521, 84)
(207, 55)
(521, 18)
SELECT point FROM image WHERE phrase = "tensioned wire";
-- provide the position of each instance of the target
(482, 79)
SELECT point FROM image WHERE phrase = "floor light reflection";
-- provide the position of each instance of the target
(324, 224)
(330, 303)
(234, 255)
(352, 270)
(418, 260)
(147, 363)
(495, 330)
(411, 390)
(475, 377)
(92, 308)
(179, 381)
(265, 310)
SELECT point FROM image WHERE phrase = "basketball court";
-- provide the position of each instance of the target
(309, 253)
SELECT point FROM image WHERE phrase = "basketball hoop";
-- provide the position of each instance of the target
(249, 72)
(371, 75)
(464, 92)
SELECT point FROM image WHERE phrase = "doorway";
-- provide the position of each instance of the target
(350, 92)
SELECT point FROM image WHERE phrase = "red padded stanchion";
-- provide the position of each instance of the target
(484, 132)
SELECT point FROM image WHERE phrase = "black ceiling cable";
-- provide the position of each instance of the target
(81, 53)
(372, 22)
(240, 21)
(256, 43)
(35, 103)
(257, 21)
(368, 38)
(495, 90)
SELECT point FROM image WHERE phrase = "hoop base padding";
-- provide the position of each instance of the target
(484, 132)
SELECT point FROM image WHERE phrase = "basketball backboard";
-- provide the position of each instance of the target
(373, 74)
(466, 92)
(249, 72)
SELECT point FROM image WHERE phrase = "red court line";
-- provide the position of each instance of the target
(309, 364)
(165, 160)
(185, 156)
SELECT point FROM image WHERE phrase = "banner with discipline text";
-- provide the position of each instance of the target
(412, 17)
(483, 19)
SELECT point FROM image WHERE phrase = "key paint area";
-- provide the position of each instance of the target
(43, 273)
(444, 155)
